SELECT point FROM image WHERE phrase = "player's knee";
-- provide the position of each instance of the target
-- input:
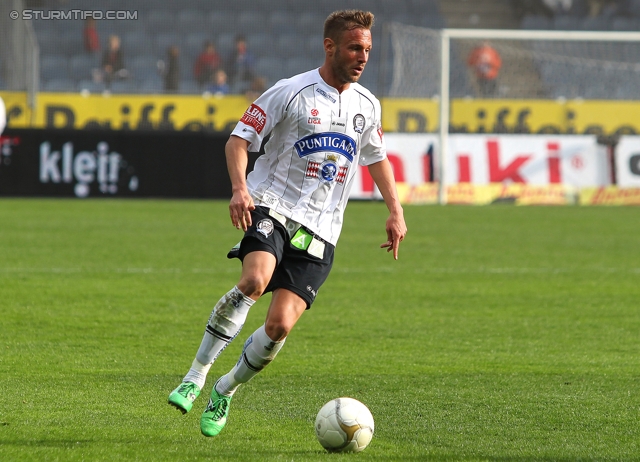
(253, 285)
(277, 329)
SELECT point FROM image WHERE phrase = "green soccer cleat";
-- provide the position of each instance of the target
(214, 417)
(184, 396)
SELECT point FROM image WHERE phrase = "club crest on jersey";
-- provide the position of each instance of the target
(327, 171)
(338, 143)
(358, 123)
(265, 227)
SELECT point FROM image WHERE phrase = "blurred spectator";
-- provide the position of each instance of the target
(219, 84)
(241, 66)
(90, 36)
(113, 61)
(171, 70)
(257, 87)
(207, 62)
(486, 63)
(523, 8)
(607, 8)
(559, 6)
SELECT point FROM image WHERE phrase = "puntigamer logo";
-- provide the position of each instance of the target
(327, 142)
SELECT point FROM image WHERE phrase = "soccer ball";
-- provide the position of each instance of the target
(344, 425)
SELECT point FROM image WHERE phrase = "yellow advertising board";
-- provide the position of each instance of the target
(518, 194)
(611, 195)
(211, 113)
(470, 194)
(514, 116)
(18, 113)
(132, 112)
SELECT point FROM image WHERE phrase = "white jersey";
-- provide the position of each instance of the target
(318, 138)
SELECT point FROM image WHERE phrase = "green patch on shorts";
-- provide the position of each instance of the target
(301, 239)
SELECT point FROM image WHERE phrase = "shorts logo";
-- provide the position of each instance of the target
(358, 123)
(265, 227)
(313, 292)
(255, 117)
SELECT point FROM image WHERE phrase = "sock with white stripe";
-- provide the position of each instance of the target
(259, 350)
(225, 323)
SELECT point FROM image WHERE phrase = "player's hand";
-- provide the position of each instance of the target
(240, 209)
(396, 231)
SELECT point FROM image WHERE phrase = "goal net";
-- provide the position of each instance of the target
(535, 64)
(548, 82)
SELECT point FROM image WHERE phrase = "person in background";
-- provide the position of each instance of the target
(207, 62)
(485, 62)
(172, 70)
(559, 6)
(607, 8)
(257, 87)
(90, 36)
(113, 61)
(240, 66)
(219, 85)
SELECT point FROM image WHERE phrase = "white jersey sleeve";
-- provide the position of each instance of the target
(263, 114)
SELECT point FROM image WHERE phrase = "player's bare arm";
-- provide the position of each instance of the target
(241, 203)
(396, 227)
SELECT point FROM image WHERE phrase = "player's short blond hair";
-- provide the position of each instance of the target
(344, 20)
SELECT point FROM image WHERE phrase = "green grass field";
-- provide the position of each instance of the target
(502, 333)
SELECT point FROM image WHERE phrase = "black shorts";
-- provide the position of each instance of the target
(303, 261)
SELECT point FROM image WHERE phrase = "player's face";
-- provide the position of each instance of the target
(351, 55)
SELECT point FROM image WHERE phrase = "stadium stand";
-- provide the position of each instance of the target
(580, 70)
(285, 37)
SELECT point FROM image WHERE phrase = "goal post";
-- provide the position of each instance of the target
(538, 65)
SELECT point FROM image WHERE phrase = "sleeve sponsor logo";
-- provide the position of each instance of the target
(255, 117)
(327, 142)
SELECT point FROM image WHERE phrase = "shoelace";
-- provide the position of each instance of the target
(218, 407)
(186, 389)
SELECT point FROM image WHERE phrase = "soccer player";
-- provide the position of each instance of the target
(322, 124)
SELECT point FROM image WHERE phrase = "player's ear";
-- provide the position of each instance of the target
(329, 46)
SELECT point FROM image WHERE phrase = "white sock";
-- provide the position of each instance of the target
(259, 350)
(198, 373)
(225, 323)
